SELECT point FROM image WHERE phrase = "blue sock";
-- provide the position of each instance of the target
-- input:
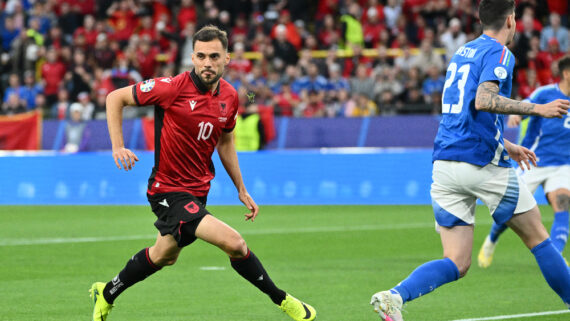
(553, 268)
(426, 278)
(496, 231)
(559, 230)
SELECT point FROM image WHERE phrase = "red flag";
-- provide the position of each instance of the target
(21, 132)
(148, 132)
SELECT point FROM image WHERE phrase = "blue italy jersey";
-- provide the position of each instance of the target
(549, 138)
(465, 134)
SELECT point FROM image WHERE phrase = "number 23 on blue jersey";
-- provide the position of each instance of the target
(453, 92)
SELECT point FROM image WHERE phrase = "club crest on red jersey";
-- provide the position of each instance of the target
(223, 109)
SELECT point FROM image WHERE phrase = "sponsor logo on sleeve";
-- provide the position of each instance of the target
(147, 85)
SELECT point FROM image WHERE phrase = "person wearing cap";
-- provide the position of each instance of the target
(291, 33)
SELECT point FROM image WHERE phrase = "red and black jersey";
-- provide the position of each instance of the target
(189, 120)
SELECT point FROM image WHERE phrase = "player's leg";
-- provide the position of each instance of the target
(457, 243)
(246, 264)
(532, 179)
(559, 199)
(529, 227)
(140, 266)
(454, 210)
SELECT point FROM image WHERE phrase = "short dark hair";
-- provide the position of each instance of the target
(493, 13)
(563, 64)
(209, 33)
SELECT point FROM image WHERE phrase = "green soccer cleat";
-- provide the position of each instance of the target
(101, 308)
(485, 257)
(297, 310)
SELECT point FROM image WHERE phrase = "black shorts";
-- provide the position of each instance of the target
(178, 214)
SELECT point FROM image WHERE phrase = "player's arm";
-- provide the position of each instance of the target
(228, 156)
(116, 101)
(488, 99)
(520, 154)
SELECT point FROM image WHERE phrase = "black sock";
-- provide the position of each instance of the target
(251, 269)
(138, 268)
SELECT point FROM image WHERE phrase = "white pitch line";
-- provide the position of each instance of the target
(320, 229)
(513, 316)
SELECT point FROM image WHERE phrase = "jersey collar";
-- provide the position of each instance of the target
(200, 86)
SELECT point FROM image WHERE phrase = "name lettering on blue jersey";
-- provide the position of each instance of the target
(466, 52)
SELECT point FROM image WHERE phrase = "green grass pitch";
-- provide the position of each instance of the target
(333, 257)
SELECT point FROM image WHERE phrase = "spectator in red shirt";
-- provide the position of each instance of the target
(146, 28)
(186, 14)
(238, 62)
(528, 84)
(372, 28)
(52, 74)
(379, 11)
(88, 31)
(312, 107)
(291, 33)
(239, 31)
(286, 101)
(329, 33)
(326, 7)
(123, 20)
(545, 60)
(146, 58)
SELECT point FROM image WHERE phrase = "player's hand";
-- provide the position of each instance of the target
(522, 155)
(514, 121)
(246, 199)
(554, 109)
(124, 157)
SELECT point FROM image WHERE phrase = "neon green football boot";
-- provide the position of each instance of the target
(485, 257)
(101, 308)
(297, 310)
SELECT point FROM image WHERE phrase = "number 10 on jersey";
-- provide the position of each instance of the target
(454, 108)
(205, 130)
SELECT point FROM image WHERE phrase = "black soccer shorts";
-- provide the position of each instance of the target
(178, 214)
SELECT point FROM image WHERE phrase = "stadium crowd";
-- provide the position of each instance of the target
(320, 58)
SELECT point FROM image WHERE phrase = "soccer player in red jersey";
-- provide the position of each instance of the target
(194, 112)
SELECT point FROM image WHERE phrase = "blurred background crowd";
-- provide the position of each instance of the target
(301, 58)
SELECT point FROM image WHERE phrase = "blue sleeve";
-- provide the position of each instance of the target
(497, 65)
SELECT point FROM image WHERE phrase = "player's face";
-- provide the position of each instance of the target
(209, 60)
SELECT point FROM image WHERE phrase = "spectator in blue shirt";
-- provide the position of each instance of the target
(30, 90)
(14, 87)
(8, 33)
(433, 86)
(555, 30)
(311, 82)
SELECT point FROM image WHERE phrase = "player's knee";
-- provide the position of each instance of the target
(462, 264)
(165, 260)
(236, 247)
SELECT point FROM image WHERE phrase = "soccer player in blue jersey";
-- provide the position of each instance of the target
(472, 161)
(549, 138)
